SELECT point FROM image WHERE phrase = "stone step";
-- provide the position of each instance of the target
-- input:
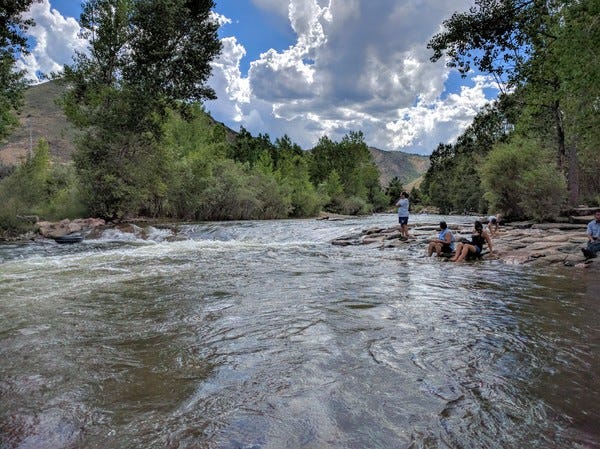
(581, 219)
(580, 211)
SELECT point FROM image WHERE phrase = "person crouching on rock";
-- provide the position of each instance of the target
(593, 234)
(444, 243)
(475, 246)
(492, 225)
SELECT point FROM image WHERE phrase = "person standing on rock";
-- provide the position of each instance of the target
(444, 243)
(593, 234)
(403, 214)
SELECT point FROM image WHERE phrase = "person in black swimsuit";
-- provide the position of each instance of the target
(475, 246)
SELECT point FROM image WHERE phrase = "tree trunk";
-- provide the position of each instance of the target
(573, 175)
(560, 138)
(567, 161)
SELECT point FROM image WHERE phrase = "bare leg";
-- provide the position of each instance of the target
(466, 250)
(405, 230)
(457, 252)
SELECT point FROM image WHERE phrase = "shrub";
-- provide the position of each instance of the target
(522, 181)
(544, 192)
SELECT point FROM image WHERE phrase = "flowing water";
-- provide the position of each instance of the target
(264, 335)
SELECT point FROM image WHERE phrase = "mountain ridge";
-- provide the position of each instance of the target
(41, 117)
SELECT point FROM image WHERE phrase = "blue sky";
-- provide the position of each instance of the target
(313, 68)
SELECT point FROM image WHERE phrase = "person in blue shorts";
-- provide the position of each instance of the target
(593, 235)
(473, 247)
(403, 214)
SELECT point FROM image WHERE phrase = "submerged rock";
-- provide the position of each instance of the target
(61, 228)
(546, 244)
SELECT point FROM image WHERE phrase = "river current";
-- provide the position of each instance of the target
(248, 335)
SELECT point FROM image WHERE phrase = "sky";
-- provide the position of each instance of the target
(314, 68)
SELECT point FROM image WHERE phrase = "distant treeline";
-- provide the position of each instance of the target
(146, 147)
(198, 172)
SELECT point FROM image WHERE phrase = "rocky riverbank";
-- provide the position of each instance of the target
(524, 243)
(544, 244)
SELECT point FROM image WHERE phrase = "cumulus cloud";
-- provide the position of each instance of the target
(56, 40)
(354, 65)
(358, 65)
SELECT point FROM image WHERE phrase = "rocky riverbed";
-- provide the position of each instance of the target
(543, 244)
(537, 244)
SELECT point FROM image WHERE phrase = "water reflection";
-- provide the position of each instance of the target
(235, 338)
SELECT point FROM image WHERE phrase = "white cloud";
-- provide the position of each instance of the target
(56, 39)
(277, 6)
(357, 65)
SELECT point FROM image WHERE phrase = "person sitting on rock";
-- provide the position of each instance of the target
(474, 247)
(444, 244)
(593, 234)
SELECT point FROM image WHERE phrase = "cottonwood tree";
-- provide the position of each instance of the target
(145, 58)
(13, 42)
(519, 43)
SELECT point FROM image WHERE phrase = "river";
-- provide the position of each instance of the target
(248, 335)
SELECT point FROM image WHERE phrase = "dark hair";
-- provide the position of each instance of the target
(404, 194)
(478, 225)
(596, 211)
(494, 221)
(443, 225)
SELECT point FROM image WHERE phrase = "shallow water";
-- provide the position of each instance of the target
(264, 335)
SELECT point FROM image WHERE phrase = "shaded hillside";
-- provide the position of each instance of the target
(407, 167)
(42, 117)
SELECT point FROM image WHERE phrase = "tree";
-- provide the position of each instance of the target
(452, 182)
(250, 149)
(146, 58)
(347, 164)
(521, 44)
(522, 181)
(394, 189)
(577, 64)
(13, 42)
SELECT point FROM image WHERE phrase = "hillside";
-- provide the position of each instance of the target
(41, 117)
(407, 167)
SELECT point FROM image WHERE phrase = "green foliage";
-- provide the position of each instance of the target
(346, 173)
(293, 176)
(543, 192)
(207, 185)
(521, 180)
(36, 188)
(235, 193)
(496, 37)
(452, 182)
(29, 182)
(393, 190)
(13, 42)
(146, 59)
(416, 198)
(548, 52)
(249, 149)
